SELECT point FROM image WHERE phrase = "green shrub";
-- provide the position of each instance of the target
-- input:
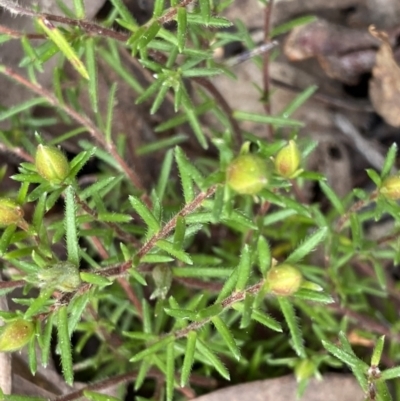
(193, 275)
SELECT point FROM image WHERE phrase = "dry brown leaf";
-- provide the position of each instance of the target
(384, 87)
(332, 388)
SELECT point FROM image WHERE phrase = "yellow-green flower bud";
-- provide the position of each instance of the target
(51, 164)
(64, 276)
(287, 160)
(15, 335)
(284, 280)
(304, 370)
(10, 212)
(247, 174)
(390, 187)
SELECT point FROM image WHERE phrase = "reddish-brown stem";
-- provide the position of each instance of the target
(355, 208)
(81, 119)
(266, 74)
(118, 232)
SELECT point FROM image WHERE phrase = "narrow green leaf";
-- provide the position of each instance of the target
(80, 160)
(247, 311)
(150, 33)
(193, 120)
(201, 72)
(314, 296)
(18, 108)
(226, 335)
(217, 22)
(164, 174)
(308, 245)
(95, 279)
(189, 167)
(356, 231)
(75, 309)
(161, 144)
(177, 253)
(6, 238)
(96, 187)
(124, 12)
(266, 119)
(186, 180)
(244, 268)
(162, 93)
(64, 345)
(142, 374)
(58, 38)
(39, 303)
(79, 9)
(32, 355)
(114, 217)
(158, 8)
(374, 176)
(228, 286)
(152, 348)
(182, 28)
(189, 357)
(212, 358)
(181, 313)
(144, 213)
(339, 353)
(382, 391)
(71, 231)
(333, 198)
(390, 160)
(92, 71)
(264, 255)
(205, 10)
(170, 371)
(45, 339)
(291, 320)
(179, 235)
(391, 373)
(266, 320)
(378, 349)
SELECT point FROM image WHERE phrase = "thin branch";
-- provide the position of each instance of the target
(266, 72)
(82, 120)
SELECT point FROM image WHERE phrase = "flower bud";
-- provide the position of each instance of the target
(64, 276)
(247, 174)
(283, 280)
(10, 212)
(162, 277)
(304, 370)
(15, 335)
(287, 160)
(51, 164)
(390, 187)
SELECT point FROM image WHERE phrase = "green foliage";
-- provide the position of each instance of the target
(197, 270)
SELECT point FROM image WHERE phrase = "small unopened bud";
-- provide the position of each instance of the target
(304, 370)
(390, 187)
(51, 164)
(287, 160)
(162, 277)
(63, 276)
(247, 174)
(10, 212)
(15, 335)
(284, 280)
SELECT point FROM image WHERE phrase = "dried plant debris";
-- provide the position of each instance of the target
(332, 387)
(385, 83)
(343, 53)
